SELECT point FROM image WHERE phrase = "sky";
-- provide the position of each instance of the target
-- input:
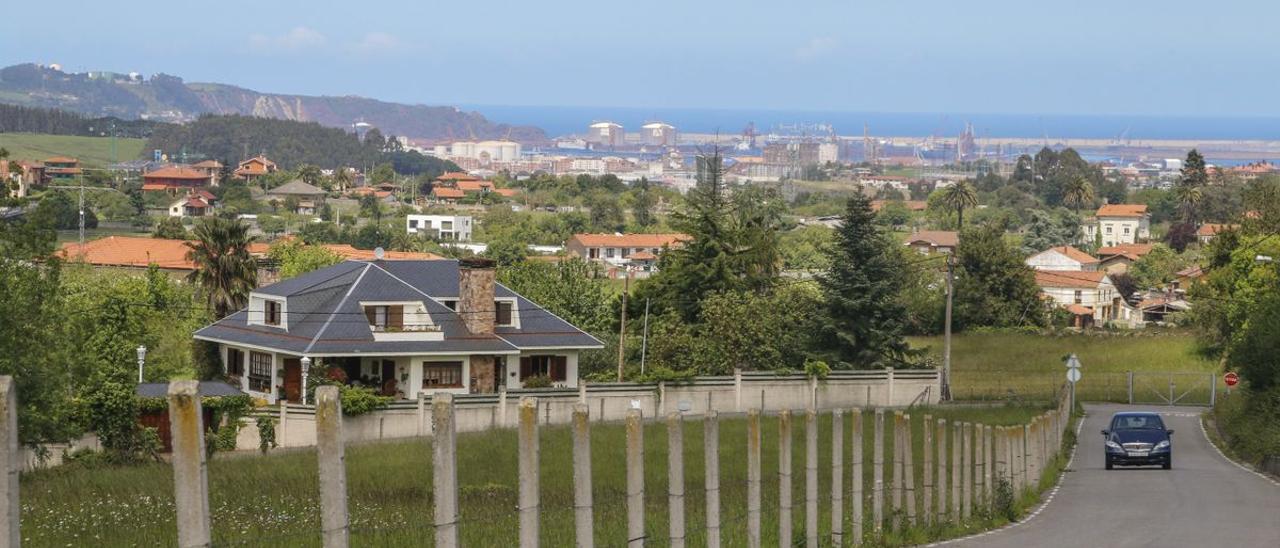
(1089, 57)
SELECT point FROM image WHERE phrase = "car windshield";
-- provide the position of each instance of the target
(1137, 422)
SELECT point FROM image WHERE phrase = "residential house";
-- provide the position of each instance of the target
(308, 197)
(1117, 259)
(131, 253)
(404, 327)
(470, 187)
(1208, 231)
(197, 203)
(442, 227)
(176, 179)
(1063, 257)
(934, 241)
(253, 168)
(1187, 277)
(61, 169)
(916, 206)
(1118, 224)
(618, 251)
(211, 167)
(1089, 296)
(446, 195)
(1156, 308)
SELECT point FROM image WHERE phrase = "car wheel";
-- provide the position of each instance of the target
(1108, 463)
(1168, 463)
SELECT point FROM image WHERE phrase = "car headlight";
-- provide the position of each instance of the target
(1114, 446)
(1162, 446)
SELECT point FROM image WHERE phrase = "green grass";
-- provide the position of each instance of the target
(91, 234)
(1004, 365)
(91, 151)
(273, 501)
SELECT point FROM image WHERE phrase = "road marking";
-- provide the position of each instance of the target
(1232, 461)
(1062, 476)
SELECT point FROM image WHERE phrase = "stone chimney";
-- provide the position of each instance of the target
(475, 295)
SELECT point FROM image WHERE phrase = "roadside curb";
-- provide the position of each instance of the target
(1040, 508)
(1235, 463)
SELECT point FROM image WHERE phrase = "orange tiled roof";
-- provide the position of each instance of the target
(1132, 251)
(474, 186)
(1075, 254)
(208, 164)
(441, 192)
(349, 252)
(629, 240)
(130, 251)
(506, 192)
(154, 186)
(176, 172)
(1212, 229)
(938, 238)
(1079, 310)
(61, 160)
(1068, 279)
(1122, 210)
(456, 176)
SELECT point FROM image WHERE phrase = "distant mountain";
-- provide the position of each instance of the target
(167, 98)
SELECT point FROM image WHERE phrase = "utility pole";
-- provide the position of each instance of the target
(946, 344)
(644, 342)
(622, 329)
(81, 178)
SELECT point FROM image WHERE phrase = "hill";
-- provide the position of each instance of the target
(166, 97)
(93, 151)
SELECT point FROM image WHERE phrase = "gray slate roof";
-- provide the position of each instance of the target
(324, 316)
(297, 187)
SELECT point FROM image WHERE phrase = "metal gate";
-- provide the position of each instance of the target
(1163, 388)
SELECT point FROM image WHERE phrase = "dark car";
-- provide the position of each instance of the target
(1138, 439)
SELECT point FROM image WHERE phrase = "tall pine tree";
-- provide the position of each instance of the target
(866, 319)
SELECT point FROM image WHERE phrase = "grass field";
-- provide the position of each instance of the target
(1001, 365)
(92, 151)
(273, 501)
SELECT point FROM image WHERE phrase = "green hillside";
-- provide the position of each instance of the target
(93, 151)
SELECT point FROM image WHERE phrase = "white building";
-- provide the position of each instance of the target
(606, 134)
(1119, 224)
(1063, 258)
(445, 227)
(1089, 296)
(658, 134)
(828, 153)
(484, 151)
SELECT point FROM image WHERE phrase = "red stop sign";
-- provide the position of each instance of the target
(1231, 378)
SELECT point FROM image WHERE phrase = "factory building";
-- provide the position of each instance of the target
(484, 151)
(658, 134)
(607, 134)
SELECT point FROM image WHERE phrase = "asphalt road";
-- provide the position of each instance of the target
(1204, 501)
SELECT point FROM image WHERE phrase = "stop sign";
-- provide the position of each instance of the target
(1231, 378)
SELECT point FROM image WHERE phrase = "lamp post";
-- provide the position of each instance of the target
(142, 359)
(306, 367)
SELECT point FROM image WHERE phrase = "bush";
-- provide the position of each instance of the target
(358, 400)
(1250, 423)
(538, 381)
(266, 434)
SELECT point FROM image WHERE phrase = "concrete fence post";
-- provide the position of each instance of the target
(711, 475)
(979, 462)
(957, 449)
(675, 479)
(11, 460)
(784, 476)
(529, 468)
(811, 477)
(753, 478)
(331, 455)
(1033, 460)
(895, 512)
(737, 389)
(190, 472)
(908, 471)
(583, 525)
(444, 470)
(582, 392)
(889, 376)
(837, 477)
(635, 478)
(282, 429)
(422, 414)
(877, 474)
(966, 459)
(988, 457)
(1023, 437)
(502, 406)
(941, 480)
(857, 503)
(662, 399)
(926, 482)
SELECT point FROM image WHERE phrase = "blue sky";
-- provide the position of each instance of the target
(1078, 57)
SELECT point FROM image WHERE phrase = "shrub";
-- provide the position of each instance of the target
(358, 400)
(266, 433)
(538, 381)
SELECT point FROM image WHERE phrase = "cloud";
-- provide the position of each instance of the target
(816, 47)
(297, 39)
(377, 42)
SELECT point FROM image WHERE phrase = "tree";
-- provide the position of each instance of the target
(1125, 284)
(296, 258)
(342, 178)
(63, 213)
(1050, 229)
(642, 204)
(864, 323)
(1194, 171)
(893, 213)
(310, 174)
(1254, 352)
(170, 228)
(606, 212)
(506, 251)
(1077, 192)
(1180, 236)
(959, 197)
(1157, 267)
(225, 272)
(569, 289)
(994, 287)
(1188, 197)
(384, 173)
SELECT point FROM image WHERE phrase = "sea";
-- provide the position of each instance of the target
(559, 121)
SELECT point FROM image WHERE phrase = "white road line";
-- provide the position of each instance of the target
(1232, 461)
(1048, 498)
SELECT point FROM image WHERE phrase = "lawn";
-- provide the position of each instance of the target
(273, 501)
(1000, 365)
(91, 151)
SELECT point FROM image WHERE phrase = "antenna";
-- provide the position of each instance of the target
(379, 253)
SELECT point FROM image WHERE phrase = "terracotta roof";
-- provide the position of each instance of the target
(1194, 271)
(441, 192)
(131, 251)
(1068, 278)
(61, 160)
(1074, 254)
(912, 205)
(642, 256)
(456, 176)
(937, 238)
(474, 186)
(506, 192)
(154, 186)
(1132, 251)
(628, 240)
(1122, 210)
(1079, 310)
(349, 252)
(1212, 229)
(204, 194)
(209, 164)
(176, 172)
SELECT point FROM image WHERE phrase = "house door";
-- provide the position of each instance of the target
(388, 378)
(293, 380)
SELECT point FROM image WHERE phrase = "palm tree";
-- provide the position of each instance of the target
(1189, 197)
(225, 271)
(341, 178)
(959, 197)
(1077, 192)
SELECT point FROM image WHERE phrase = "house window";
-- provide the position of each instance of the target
(1079, 296)
(441, 375)
(503, 314)
(446, 225)
(235, 362)
(555, 367)
(452, 305)
(593, 253)
(609, 252)
(1126, 230)
(271, 312)
(385, 317)
(626, 251)
(260, 372)
(1108, 229)
(413, 223)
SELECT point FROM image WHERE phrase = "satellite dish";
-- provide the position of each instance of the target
(379, 253)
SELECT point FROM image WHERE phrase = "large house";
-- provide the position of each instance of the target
(621, 253)
(1117, 224)
(403, 327)
(1208, 231)
(175, 179)
(255, 167)
(1117, 259)
(61, 168)
(1063, 257)
(444, 227)
(197, 203)
(934, 241)
(1090, 297)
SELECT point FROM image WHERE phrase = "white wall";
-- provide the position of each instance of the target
(1053, 260)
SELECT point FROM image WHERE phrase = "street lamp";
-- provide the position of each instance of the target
(142, 359)
(306, 367)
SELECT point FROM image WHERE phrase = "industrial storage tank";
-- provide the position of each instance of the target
(658, 134)
(605, 134)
